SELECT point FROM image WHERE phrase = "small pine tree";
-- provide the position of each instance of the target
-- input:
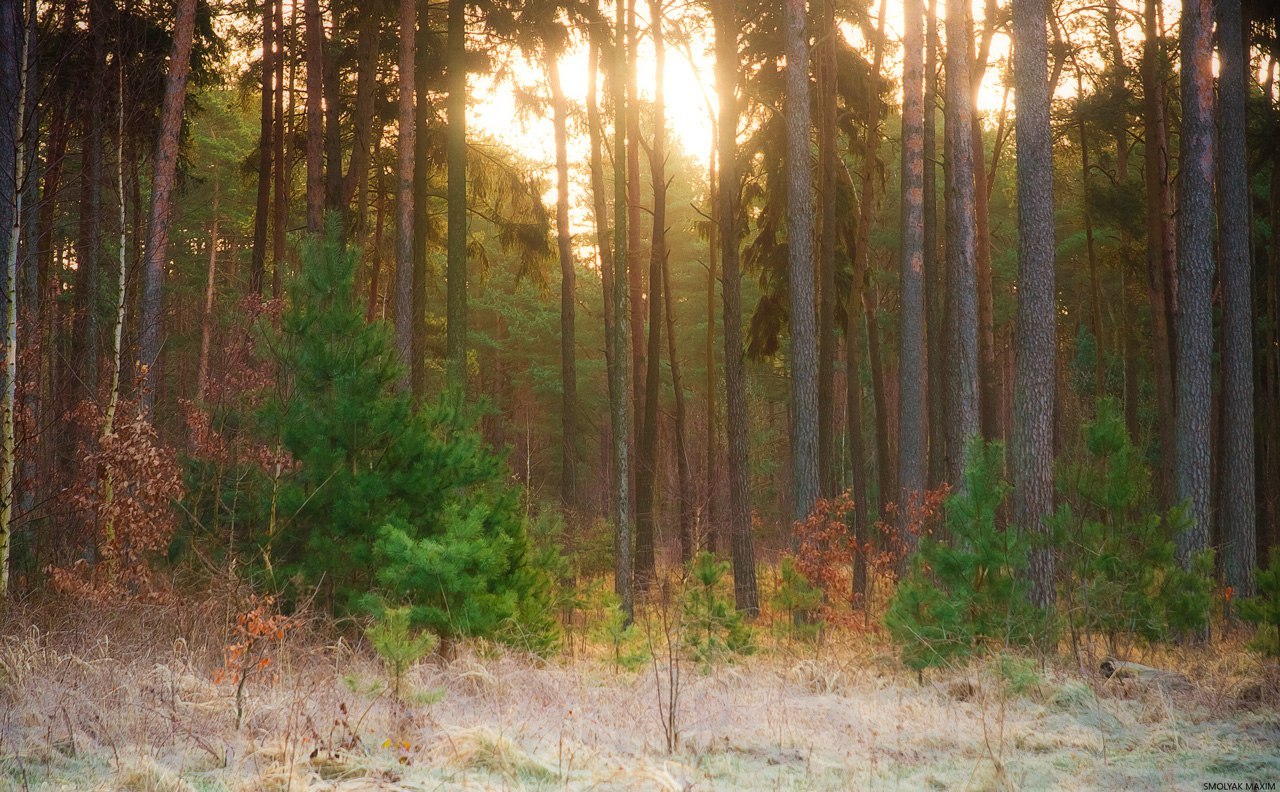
(710, 625)
(409, 503)
(1118, 551)
(1263, 609)
(398, 644)
(966, 596)
(799, 600)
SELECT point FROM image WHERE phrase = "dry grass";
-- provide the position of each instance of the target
(125, 698)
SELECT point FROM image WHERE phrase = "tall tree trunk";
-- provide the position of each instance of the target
(568, 362)
(935, 285)
(280, 212)
(315, 114)
(1239, 506)
(375, 265)
(1095, 287)
(647, 457)
(688, 542)
(622, 570)
(636, 274)
(456, 144)
(261, 214)
(162, 182)
(1160, 241)
(857, 247)
(912, 441)
(962, 309)
(885, 467)
(206, 318)
(406, 137)
(804, 340)
(1032, 448)
(422, 165)
(745, 593)
(13, 56)
(1195, 276)
(825, 66)
(600, 210)
(710, 537)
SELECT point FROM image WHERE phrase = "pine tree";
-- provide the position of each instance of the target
(450, 537)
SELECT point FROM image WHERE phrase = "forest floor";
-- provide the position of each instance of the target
(138, 698)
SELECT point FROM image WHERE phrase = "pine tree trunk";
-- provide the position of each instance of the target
(367, 45)
(423, 119)
(405, 141)
(568, 362)
(375, 265)
(1160, 242)
(988, 379)
(261, 214)
(647, 458)
(710, 537)
(912, 440)
(456, 144)
(935, 283)
(962, 310)
(803, 330)
(622, 571)
(206, 319)
(1031, 454)
(1239, 506)
(825, 66)
(636, 274)
(315, 115)
(1195, 276)
(13, 56)
(162, 184)
(1095, 287)
(600, 209)
(280, 211)
(745, 592)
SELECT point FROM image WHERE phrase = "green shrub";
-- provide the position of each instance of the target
(968, 595)
(1118, 553)
(1263, 609)
(398, 645)
(711, 627)
(383, 497)
(799, 600)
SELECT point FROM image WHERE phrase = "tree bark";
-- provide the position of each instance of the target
(825, 66)
(912, 440)
(636, 274)
(935, 283)
(280, 212)
(962, 311)
(261, 214)
(1031, 453)
(568, 361)
(1160, 242)
(622, 571)
(1195, 276)
(725, 21)
(315, 115)
(406, 137)
(456, 144)
(1239, 506)
(804, 341)
(647, 458)
(421, 195)
(162, 183)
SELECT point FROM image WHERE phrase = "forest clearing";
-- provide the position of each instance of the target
(129, 699)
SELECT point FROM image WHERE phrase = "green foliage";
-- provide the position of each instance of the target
(630, 651)
(966, 596)
(1264, 609)
(799, 599)
(384, 496)
(1018, 675)
(712, 627)
(1119, 553)
(398, 644)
